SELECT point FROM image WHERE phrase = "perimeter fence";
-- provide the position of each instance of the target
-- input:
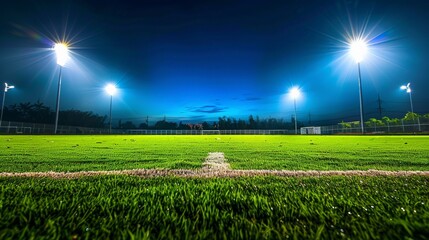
(405, 128)
(35, 128)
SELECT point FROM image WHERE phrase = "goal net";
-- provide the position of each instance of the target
(210, 132)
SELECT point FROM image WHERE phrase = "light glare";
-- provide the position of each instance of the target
(406, 87)
(110, 89)
(7, 87)
(294, 92)
(358, 49)
(61, 50)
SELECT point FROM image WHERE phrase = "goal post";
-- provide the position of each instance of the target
(210, 132)
(311, 130)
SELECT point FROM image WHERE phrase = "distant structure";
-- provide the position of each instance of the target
(311, 130)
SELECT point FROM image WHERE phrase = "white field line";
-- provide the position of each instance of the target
(215, 166)
(208, 173)
(216, 161)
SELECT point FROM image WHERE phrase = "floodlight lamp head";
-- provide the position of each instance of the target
(62, 52)
(406, 87)
(110, 89)
(295, 93)
(7, 87)
(358, 49)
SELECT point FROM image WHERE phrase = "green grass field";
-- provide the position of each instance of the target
(245, 208)
(131, 207)
(80, 153)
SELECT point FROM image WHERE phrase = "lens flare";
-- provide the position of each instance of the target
(358, 49)
(62, 52)
(295, 92)
(110, 89)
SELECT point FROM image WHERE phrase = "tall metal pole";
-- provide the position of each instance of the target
(2, 105)
(360, 99)
(58, 101)
(411, 101)
(296, 126)
(110, 121)
(412, 111)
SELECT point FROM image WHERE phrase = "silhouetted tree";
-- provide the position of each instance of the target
(252, 123)
(128, 125)
(206, 126)
(164, 125)
(39, 113)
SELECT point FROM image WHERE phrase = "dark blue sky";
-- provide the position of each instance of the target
(201, 60)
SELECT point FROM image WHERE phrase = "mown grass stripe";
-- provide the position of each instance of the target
(213, 173)
(96, 153)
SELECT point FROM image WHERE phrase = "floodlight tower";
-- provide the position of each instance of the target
(358, 49)
(408, 89)
(295, 93)
(111, 90)
(6, 87)
(61, 50)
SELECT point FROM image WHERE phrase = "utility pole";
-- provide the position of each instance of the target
(380, 109)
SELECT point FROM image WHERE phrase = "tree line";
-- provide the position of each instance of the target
(387, 122)
(40, 113)
(223, 123)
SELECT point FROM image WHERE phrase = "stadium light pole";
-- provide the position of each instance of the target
(358, 49)
(61, 51)
(408, 89)
(6, 87)
(295, 94)
(111, 90)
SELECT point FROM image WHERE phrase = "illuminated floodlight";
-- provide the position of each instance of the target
(406, 87)
(295, 93)
(358, 48)
(111, 89)
(6, 87)
(62, 52)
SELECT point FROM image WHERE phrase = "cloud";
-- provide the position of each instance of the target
(207, 109)
(249, 99)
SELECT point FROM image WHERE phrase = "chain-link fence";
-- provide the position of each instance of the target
(34, 128)
(402, 127)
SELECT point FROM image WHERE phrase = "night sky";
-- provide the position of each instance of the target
(200, 60)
